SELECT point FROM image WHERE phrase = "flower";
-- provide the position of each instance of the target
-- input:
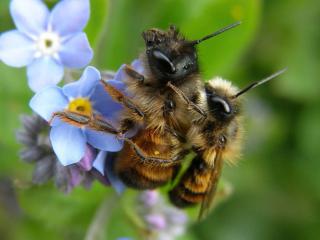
(46, 42)
(37, 150)
(162, 222)
(85, 96)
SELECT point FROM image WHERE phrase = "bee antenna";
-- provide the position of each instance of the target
(233, 25)
(257, 83)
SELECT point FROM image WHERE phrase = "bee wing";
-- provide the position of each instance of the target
(212, 187)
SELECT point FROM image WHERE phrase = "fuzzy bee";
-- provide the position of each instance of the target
(175, 114)
(215, 137)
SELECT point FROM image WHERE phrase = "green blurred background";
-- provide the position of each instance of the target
(277, 182)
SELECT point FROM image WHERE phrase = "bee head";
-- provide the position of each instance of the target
(223, 99)
(168, 55)
(220, 101)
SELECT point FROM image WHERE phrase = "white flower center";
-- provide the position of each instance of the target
(48, 44)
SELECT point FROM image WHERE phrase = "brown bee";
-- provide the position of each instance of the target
(215, 136)
(152, 157)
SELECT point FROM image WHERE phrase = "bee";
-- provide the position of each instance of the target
(152, 157)
(175, 113)
(161, 144)
(215, 137)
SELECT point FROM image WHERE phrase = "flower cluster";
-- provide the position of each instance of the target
(163, 222)
(79, 146)
(47, 42)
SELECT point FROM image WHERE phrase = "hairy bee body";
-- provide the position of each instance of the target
(216, 138)
(166, 119)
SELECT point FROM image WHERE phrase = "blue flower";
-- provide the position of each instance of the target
(86, 96)
(45, 41)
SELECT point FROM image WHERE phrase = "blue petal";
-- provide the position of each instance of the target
(118, 85)
(68, 142)
(76, 51)
(138, 66)
(48, 101)
(103, 141)
(116, 183)
(43, 72)
(103, 103)
(16, 49)
(88, 158)
(120, 75)
(70, 16)
(100, 161)
(30, 16)
(85, 86)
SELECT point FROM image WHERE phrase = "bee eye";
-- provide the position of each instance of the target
(220, 105)
(164, 62)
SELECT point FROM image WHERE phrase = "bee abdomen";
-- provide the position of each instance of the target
(132, 178)
(142, 177)
(192, 187)
(135, 172)
(183, 197)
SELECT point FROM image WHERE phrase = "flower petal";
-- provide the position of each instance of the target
(76, 51)
(48, 101)
(68, 142)
(157, 221)
(120, 74)
(100, 161)
(116, 183)
(70, 16)
(44, 72)
(85, 86)
(137, 65)
(88, 158)
(103, 141)
(16, 49)
(121, 86)
(30, 16)
(75, 177)
(104, 104)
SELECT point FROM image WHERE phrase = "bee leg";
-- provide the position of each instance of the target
(121, 98)
(72, 118)
(176, 134)
(191, 104)
(169, 106)
(155, 161)
(134, 74)
(79, 120)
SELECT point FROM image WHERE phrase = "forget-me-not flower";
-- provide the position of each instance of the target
(45, 41)
(87, 97)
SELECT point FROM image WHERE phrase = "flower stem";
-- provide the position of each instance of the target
(96, 230)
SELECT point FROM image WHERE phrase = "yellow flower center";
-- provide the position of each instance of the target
(81, 105)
